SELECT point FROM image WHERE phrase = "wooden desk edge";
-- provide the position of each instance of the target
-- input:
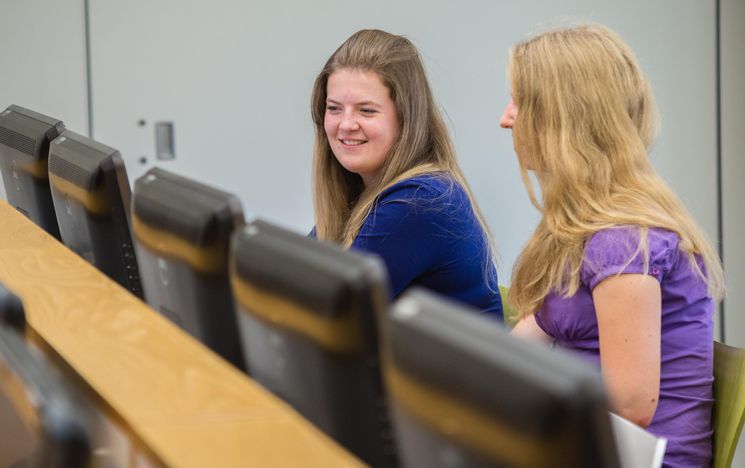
(239, 400)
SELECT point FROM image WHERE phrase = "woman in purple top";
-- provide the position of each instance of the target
(617, 269)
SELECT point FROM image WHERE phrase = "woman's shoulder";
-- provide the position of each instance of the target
(432, 186)
(618, 249)
(626, 238)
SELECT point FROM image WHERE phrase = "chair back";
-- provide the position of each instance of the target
(510, 314)
(729, 402)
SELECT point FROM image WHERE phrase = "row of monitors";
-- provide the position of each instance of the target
(461, 392)
(73, 187)
(305, 319)
(78, 191)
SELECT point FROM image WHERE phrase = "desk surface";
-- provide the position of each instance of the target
(181, 400)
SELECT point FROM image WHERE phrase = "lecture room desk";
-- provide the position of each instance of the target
(182, 402)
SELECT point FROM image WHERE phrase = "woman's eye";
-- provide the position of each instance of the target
(331, 108)
(368, 111)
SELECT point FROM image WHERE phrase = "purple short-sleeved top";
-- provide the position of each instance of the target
(683, 414)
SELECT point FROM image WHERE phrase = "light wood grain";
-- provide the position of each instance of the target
(186, 404)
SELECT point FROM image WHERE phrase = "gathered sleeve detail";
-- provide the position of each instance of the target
(616, 251)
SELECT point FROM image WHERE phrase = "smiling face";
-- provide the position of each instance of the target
(361, 122)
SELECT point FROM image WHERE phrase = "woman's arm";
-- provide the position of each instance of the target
(528, 328)
(629, 309)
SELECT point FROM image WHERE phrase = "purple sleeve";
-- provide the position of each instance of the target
(539, 321)
(616, 251)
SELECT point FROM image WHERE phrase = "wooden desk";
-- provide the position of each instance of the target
(183, 402)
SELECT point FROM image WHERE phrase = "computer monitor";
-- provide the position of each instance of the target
(464, 393)
(182, 233)
(24, 148)
(307, 312)
(91, 195)
(12, 313)
(42, 420)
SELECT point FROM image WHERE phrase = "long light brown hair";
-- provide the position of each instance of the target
(342, 202)
(586, 119)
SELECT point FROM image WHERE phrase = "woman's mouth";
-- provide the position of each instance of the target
(353, 142)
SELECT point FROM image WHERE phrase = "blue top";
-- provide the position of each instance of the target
(426, 232)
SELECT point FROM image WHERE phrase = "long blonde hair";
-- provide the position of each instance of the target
(342, 202)
(586, 119)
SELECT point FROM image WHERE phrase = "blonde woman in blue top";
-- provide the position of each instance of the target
(386, 178)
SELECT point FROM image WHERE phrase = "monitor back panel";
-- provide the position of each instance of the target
(25, 136)
(199, 303)
(307, 314)
(182, 231)
(49, 417)
(466, 394)
(42, 421)
(91, 197)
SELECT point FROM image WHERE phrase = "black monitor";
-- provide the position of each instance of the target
(24, 148)
(307, 312)
(182, 232)
(12, 313)
(464, 393)
(91, 195)
(42, 420)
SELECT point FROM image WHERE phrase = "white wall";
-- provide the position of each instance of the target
(43, 59)
(235, 78)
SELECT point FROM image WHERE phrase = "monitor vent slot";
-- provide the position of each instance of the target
(15, 140)
(68, 171)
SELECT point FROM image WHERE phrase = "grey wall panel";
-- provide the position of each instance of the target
(733, 165)
(43, 59)
(733, 175)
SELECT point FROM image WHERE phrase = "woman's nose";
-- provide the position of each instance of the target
(348, 123)
(508, 116)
